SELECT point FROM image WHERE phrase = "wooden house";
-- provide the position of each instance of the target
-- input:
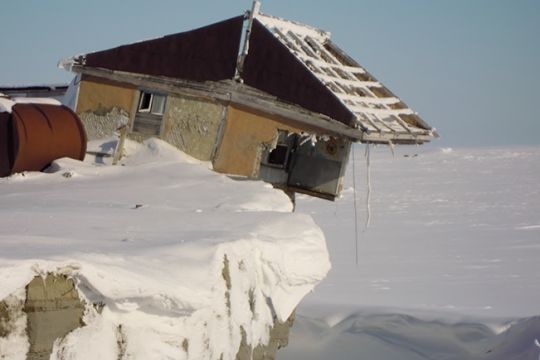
(250, 94)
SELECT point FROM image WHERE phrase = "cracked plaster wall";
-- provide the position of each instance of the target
(102, 105)
(192, 125)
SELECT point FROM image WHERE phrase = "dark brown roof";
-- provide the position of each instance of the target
(272, 68)
(205, 54)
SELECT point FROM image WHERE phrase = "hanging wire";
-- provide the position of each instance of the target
(355, 206)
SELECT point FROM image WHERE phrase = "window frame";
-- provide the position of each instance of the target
(149, 109)
(150, 112)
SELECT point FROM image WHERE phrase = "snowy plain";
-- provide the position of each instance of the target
(449, 267)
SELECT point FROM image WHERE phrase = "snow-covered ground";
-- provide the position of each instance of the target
(448, 269)
(182, 258)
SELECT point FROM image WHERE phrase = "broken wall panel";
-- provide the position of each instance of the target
(205, 54)
(319, 168)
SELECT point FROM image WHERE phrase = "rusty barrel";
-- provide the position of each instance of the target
(34, 135)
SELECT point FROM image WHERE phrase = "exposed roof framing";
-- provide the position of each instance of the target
(378, 112)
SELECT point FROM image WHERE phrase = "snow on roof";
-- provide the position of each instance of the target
(382, 115)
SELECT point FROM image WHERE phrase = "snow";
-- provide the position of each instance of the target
(72, 93)
(448, 268)
(15, 345)
(7, 104)
(296, 27)
(35, 100)
(150, 240)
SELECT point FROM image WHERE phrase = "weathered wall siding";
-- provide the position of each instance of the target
(192, 125)
(102, 105)
(240, 150)
(99, 126)
(102, 97)
(53, 309)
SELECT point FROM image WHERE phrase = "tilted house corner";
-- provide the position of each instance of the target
(249, 100)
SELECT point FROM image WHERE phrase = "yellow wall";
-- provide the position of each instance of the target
(102, 105)
(102, 96)
(244, 131)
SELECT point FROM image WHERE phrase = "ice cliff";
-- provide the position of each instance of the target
(168, 259)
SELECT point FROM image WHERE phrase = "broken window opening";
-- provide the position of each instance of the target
(278, 155)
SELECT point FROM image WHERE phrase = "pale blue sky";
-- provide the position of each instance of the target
(469, 67)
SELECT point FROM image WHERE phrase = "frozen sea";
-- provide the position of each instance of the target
(448, 267)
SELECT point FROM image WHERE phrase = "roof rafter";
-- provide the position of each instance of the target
(377, 112)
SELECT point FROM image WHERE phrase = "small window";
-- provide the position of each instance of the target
(149, 114)
(151, 103)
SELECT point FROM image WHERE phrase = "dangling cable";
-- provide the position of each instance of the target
(355, 206)
(368, 179)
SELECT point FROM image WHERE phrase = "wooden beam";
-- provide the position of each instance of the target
(229, 91)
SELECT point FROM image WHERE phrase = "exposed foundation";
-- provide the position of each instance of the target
(53, 308)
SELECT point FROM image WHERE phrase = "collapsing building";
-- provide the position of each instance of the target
(251, 94)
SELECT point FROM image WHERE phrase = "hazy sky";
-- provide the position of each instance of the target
(471, 68)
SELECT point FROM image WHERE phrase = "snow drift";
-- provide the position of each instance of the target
(186, 262)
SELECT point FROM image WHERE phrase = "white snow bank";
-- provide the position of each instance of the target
(449, 232)
(150, 239)
(450, 262)
(377, 336)
(7, 104)
(36, 100)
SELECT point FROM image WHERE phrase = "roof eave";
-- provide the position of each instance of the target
(229, 91)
